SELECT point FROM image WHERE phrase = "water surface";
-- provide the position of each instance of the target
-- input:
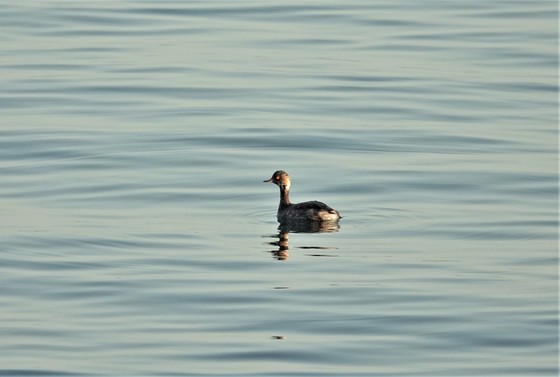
(139, 239)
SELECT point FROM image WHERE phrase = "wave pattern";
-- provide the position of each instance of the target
(138, 239)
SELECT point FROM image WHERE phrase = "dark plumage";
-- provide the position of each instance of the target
(306, 211)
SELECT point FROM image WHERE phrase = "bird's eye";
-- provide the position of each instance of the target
(277, 177)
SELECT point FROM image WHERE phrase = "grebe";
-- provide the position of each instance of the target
(307, 211)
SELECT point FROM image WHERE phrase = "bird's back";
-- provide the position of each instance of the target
(308, 211)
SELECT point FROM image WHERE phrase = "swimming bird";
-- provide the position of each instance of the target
(300, 212)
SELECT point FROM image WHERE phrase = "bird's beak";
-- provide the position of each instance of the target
(268, 180)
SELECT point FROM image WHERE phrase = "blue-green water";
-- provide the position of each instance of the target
(138, 237)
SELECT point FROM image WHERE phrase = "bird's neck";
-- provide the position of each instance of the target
(284, 197)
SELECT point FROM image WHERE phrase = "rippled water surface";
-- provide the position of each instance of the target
(139, 239)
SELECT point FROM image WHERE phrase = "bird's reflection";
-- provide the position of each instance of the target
(281, 251)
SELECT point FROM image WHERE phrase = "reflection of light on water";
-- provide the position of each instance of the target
(282, 245)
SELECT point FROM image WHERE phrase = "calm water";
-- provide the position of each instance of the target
(139, 239)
